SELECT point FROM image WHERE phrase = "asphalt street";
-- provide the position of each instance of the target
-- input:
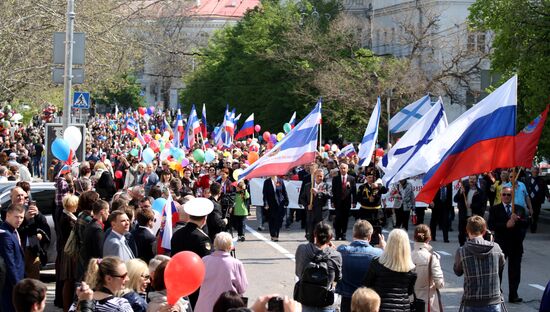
(270, 266)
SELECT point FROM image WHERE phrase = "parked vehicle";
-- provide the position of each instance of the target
(44, 194)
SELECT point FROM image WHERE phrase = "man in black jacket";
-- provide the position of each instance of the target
(275, 201)
(471, 201)
(143, 235)
(215, 221)
(314, 198)
(441, 207)
(191, 237)
(509, 225)
(92, 239)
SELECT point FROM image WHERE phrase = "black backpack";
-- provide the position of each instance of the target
(314, 288)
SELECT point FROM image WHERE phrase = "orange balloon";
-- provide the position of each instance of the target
(252, 157)
(183, 275)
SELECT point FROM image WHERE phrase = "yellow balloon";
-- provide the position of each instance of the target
(280, 136)
(226, 154)
(237, 173)
(157, 136)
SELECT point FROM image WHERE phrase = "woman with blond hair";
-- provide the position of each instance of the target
(67, 263)
(223, 273)
(107, 277)
(136, 288)
(428, 269)
(392, 275)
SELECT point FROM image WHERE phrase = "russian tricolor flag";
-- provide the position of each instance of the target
(292, 120)
(247, 129)
(204, 131)
(480, 140)
(131, 126)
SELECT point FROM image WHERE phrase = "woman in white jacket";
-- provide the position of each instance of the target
(428, 269)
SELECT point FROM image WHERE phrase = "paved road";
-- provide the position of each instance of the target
(270, 266)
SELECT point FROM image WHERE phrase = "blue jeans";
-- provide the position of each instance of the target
(491, 308)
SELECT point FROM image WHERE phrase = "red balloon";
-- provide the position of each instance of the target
(118, 174)
(267, 136)
(142, 110)
(183, 275)
(257, 128)
(379, 152)
(327, 147)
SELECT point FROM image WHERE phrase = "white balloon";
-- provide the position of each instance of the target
(334, 148)
(73, 137)
(164, 154)
(158, 221)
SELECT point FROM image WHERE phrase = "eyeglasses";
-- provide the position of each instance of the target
(506, 194)
(123, 276)
(147, 276)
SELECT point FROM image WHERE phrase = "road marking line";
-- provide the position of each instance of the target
(537, 286)
(443, 253)
(276, 246)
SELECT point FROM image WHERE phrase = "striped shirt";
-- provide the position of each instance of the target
(108, 304)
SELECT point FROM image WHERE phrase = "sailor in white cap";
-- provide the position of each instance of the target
(191, 237)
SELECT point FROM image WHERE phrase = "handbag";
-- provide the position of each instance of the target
(418, 305)
(71, 246)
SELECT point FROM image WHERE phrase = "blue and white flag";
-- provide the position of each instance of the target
(408, 116)
(369, 138)
(395, 163)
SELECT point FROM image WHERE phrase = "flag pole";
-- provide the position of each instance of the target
(388, 110)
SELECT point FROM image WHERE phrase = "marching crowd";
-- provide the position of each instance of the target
(111, 257)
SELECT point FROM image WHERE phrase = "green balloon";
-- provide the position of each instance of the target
(287, 127)
(134, 152)
(198, 154)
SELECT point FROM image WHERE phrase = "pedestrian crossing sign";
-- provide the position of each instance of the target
(81, 100)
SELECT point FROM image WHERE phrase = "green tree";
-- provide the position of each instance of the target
(122, 90)
(521, 32)
(281, 58)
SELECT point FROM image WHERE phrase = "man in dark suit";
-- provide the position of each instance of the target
(12, 253)
(344, 195)
(441, 207)
(191, 237)
(316, 208)
(143, 235)
(216, 221)
(93, 237)
(471, 201)
(275, 201)
(509, 225)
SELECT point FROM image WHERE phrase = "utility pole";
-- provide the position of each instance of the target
(68, 75)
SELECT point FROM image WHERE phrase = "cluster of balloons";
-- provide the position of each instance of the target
(146, 111)
(64, 148)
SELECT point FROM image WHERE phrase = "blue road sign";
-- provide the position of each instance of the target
(81, 100)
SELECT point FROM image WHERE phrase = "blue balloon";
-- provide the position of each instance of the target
(149, 111)
(61, 149)
(209, 155)
(148, 155)
(153, 127)
(158, 204)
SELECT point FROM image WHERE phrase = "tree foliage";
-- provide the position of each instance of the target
(521, 34)
(281, 58)
(122, 90)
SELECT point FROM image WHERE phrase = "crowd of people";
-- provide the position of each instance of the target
(111, 257)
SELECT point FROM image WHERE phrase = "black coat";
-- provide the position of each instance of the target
(146, 243)
(276, 198)
(191, 238)
(214, 221)
(509, 239)
(393, 287)
(92, 244)
(344, 197)
(479, 202)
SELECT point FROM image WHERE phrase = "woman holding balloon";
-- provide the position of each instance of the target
(158, 299)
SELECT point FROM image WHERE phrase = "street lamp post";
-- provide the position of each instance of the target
(68, 75)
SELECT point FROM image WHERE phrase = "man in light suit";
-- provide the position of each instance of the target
(12, 253)
(344, 195)
(275, 200)
(116, 244)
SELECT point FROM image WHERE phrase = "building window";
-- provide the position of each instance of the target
(476, 42)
